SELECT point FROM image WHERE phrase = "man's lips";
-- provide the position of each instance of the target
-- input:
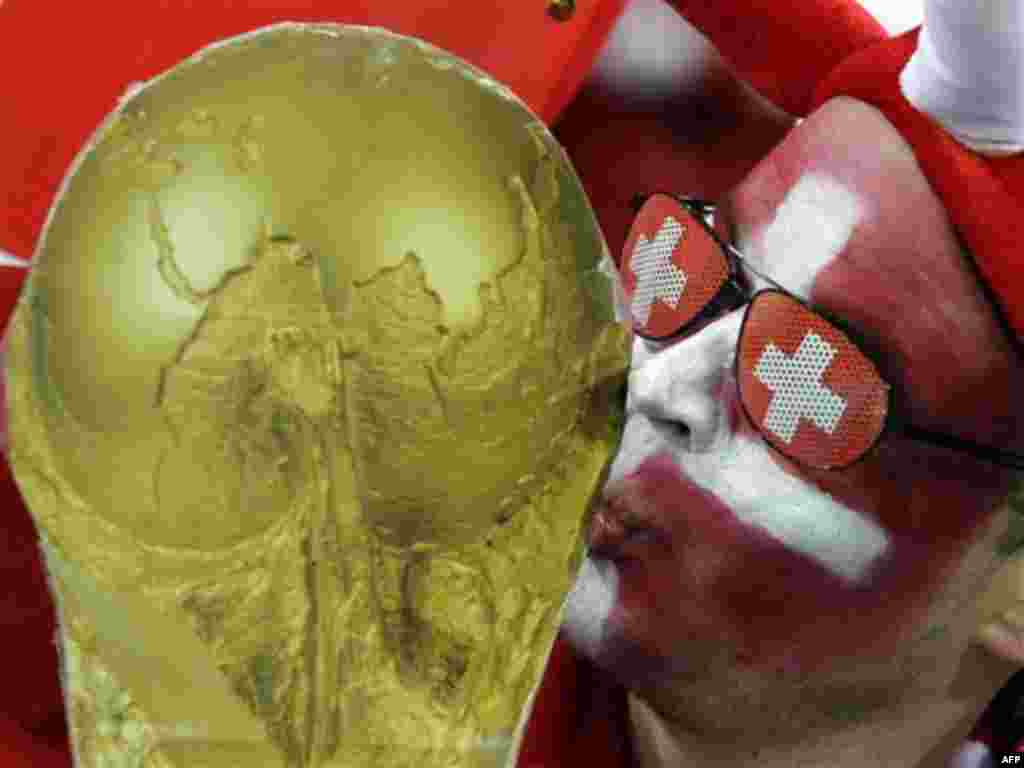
(640, 515)
(624, 526)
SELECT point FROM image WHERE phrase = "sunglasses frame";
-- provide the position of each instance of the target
(701, 209)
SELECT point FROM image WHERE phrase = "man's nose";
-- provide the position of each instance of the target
(681, 383)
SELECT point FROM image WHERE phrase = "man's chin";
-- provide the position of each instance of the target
(595, 627)
(705, 687)
(589, 606)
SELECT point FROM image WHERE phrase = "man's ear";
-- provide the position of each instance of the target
(1000, 612)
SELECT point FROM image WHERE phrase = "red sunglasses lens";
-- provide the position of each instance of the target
(671, 267)
(806, 386)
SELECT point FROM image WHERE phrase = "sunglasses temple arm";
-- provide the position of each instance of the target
(746, 263)
(732, 250)
(984, 452)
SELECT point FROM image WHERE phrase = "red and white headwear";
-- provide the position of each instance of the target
(954, 89)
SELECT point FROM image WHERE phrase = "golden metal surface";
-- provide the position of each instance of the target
(310, 386)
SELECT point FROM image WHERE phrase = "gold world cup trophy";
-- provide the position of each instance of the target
(313, 379)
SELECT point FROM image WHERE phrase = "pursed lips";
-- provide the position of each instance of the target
(635, 516)
(657, 511)
(617, 533)
(628, 522)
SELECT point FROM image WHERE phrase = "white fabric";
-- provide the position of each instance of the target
(897, 16)
(973, 754)
(653, 52)
(7, 260)
(968, 72)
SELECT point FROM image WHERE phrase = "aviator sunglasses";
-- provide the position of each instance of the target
(811, 392)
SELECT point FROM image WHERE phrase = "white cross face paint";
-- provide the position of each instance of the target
(811, 227)
(657, 277)
(804, 519)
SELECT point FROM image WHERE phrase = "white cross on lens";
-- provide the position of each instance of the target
(797, 388)
(656, 276)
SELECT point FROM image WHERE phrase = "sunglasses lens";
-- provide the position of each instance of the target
(671, 267)
(806, 386)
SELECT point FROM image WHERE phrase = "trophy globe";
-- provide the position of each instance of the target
(315, 373)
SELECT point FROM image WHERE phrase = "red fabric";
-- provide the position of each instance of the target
(74, 63)
(31, 691)
(579, 717)
(701, 137)
(784, 50)
(21, 749)
(11, 280)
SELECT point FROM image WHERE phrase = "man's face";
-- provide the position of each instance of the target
(743, 561)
